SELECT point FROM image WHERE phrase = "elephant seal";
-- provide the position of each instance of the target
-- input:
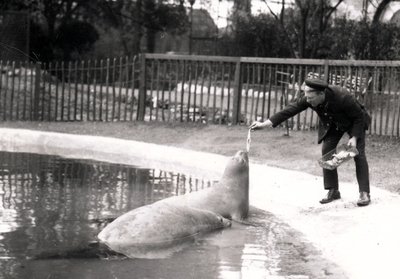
(229, 197)
(157, 230)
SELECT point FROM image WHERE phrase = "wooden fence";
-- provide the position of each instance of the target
(207, 89)
(76, 91)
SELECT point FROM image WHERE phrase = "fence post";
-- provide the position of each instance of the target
(237, 90)
(142, 89)
(326, 70)
(36, 93)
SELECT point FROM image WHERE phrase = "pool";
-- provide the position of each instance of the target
(53, 205)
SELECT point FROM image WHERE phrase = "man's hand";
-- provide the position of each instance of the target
(352, 142)
(260, 125)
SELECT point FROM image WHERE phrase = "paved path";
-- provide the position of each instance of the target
(364, 242)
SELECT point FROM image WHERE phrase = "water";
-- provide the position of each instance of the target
(51, 206)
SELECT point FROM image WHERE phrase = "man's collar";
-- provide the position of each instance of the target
(328, 97)
(325, 103)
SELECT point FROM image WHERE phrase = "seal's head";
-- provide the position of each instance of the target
(215, 221)
(238, 163)
(226, 223)
(242, 156)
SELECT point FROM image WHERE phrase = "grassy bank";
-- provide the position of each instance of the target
(299, 151)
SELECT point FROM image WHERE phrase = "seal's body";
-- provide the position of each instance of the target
(156, 227)
(229, 197)
(174, 220)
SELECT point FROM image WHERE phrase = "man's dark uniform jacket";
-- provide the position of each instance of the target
(340, 110)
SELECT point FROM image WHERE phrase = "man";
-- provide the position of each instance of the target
(339, 113)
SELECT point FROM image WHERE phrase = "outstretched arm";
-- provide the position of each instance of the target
(289, 111)
(260, 125)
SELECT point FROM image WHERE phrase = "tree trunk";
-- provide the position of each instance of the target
(139, 27)
(303, 34)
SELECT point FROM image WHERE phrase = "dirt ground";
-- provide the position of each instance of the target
(298, 151)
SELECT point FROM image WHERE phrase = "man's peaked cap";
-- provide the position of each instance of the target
(317, 84)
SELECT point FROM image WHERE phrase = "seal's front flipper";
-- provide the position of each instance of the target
(92, 250)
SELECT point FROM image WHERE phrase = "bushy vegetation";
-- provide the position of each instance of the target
(309, 30)
(81, 29)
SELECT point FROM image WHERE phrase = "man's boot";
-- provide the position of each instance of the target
(364, 199)
(333, 194)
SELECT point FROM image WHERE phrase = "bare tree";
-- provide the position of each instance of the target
(280, 19)
(311, 20)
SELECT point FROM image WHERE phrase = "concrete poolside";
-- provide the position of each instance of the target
(362, 241)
